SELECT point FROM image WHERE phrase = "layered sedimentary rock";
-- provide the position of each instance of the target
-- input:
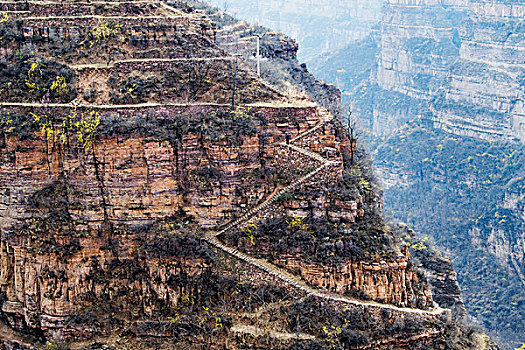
(462, 59)
(44, 289)
(384, 281)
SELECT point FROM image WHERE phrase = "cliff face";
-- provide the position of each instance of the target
(462, 59)
(145, 175)
(458, 64)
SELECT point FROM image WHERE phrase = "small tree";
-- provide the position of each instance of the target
(353, 133)
(4, 17)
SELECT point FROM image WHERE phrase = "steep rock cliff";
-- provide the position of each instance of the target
(131, 152)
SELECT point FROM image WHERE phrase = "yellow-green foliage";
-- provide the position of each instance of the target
(6, 124)
(249, 231)
(241, 112)
(87, 128)
(332, 334)
(212, 316)
(129, 91)
(82, 125)
(33, 72)
(173, 320)
(60, 86)
(187, 300)
(44, 123)
(238, 288)
(102, 31)
(4, 17)
(50, 346)
(418, 246)
(7, 86)
(297, 222)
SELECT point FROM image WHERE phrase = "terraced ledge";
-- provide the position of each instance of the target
(79, 2)
(150, 60)
(259, 332)
(304, 104)
(102, 17)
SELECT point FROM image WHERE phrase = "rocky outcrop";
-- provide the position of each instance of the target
(137, 178)
(279, 64)
(44, 289)
(388, 282)
(457, 66)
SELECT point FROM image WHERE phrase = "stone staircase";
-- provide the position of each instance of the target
(269, 201)
(275, 196)
(325, 118)
(280, 273)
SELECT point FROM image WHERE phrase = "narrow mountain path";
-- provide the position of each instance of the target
(145, 105)
(260, 332)
(299, 284)
(150, 60)
(282, 274)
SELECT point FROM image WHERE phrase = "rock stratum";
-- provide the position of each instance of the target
(468, 65)
(156, 193)
(458, 64)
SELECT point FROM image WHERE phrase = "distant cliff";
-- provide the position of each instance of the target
(459, 64)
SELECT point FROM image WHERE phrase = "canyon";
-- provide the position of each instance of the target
(319, 27)
(144, 172)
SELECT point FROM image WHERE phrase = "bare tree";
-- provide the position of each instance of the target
(353, 131)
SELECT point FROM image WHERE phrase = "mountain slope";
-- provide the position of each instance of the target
(156, 193)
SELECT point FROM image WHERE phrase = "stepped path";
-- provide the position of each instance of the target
(282, 274)
(150, 60)
(211, 238)
(260, 332)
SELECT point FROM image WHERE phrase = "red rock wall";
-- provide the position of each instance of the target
(386, 282)
(141, 179)
(43, 289)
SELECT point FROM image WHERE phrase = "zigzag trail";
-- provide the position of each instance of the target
(281, 274)
(211, 238)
